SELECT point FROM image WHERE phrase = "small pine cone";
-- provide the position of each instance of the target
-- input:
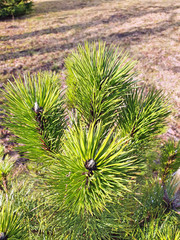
(90, 165)
(3, 236)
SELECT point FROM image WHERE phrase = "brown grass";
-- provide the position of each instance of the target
(148, 29)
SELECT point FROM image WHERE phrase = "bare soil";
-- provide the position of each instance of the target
(148, 29)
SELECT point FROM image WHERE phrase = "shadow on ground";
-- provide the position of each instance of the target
(133, 36)
(122, 17)
(56, 6)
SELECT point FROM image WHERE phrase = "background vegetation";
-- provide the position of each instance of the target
(14, 8)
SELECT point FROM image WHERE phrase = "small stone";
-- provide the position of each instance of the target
(176, 180)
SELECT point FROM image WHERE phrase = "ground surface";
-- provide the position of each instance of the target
(148, 29)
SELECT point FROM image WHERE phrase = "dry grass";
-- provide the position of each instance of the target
(148, 29)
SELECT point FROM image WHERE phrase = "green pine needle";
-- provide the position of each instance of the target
(11, 222)
(97, 79)
(143, 115)
(35, 114)
(83, 190)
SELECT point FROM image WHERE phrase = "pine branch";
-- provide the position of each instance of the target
(143, 115)
(170, 158)
(97, 79)
(35, 114)
(5, 182)
(94, 167)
